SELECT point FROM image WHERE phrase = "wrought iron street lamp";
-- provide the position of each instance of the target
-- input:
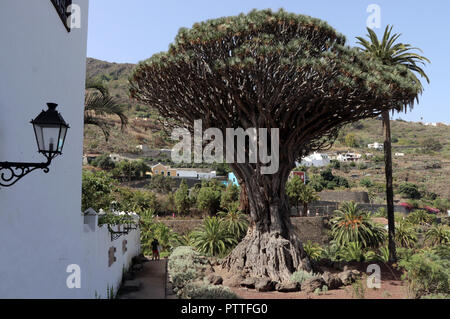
(50, 130)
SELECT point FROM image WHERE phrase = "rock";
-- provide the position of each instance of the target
(131, 285)
(249, 282)
(234, 281)
(332, 281)
(347, 277)
(310, 285)
(287, 287)
(215, 279)
(356, 273)
(264, 284)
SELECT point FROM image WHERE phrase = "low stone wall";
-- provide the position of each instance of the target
(307, 228)
(326, 208)
(344, 196)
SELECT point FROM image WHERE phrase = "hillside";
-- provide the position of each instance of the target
(429, 168)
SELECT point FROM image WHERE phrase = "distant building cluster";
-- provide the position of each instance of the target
(198, 173)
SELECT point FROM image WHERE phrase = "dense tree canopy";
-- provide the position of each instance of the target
(270, 70)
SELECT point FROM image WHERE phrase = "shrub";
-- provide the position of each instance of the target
(181, 198)
(161, 184)
(420, 217)
(186, 265)
(410, 190)
(97, 190)
(426, 273)
(351, 224)
(206, 291)
(366, 182)
(302, 275)
(104, 162)
(229, 196)
(208, 200)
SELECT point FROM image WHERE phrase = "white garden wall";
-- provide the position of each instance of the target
(41, 227)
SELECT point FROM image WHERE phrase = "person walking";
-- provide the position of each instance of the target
(155, 249)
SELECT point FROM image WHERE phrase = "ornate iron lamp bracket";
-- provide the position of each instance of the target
(11, 172)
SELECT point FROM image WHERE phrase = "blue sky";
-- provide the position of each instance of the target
(133, 30)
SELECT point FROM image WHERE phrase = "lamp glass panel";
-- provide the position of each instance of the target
(39, 137)
(62, 137)
(50, 134)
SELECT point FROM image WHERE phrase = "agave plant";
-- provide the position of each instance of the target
(313, 250)
(331, 251)
(351, 224)
(383, 254)
(235, 221)
(438, 235)
(213, 237)
(353, 251)
(405, 234)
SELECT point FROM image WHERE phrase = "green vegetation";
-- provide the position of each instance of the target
(427, 272)
(213, 238)
(182, 200)
(302, 275)
(351, 224)
(300, 193)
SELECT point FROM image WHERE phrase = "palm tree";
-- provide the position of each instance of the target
(97, 104)
(392, 53)
(213, 237)
(235, 221)
(351, 224)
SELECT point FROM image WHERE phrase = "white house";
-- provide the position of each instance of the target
(49, 249)
(315, 159)
(349, 157)
(399, 154)
(376, 146)
(195, 173)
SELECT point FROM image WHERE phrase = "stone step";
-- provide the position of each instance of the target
(130, 285)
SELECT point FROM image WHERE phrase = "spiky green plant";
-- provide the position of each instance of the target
(438, 235)
(213, 237)
(405, 234)
(351, 224)
(313, 250)
(352, 251)
(235, 221)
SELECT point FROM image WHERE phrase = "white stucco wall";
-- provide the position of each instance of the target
(41, 227)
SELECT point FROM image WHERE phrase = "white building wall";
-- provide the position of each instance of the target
(41, 227)
(187, 174)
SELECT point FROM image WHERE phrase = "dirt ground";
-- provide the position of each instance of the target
(391, 288)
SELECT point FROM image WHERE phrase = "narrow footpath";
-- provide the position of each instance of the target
(152, 279)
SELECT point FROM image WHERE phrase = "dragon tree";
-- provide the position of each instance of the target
(270, 69)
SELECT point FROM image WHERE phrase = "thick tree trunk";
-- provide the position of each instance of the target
(389, 187)
(271, 248)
